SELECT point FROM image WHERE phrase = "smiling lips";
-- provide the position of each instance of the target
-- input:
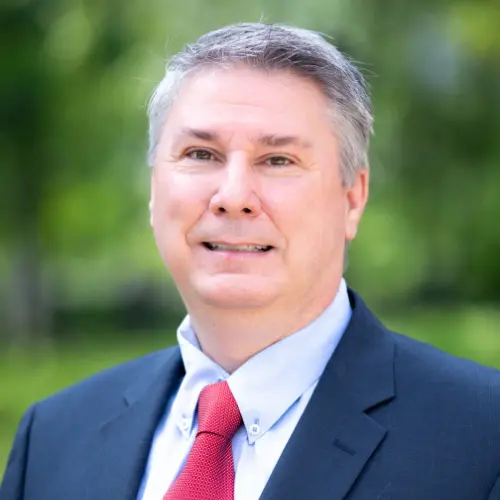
(236, 248)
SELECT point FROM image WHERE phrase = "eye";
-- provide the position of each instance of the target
(279, 161)
(200, 155)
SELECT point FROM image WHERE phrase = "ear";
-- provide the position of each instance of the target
(357, 196)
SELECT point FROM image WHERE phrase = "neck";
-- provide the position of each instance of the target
(232, 336)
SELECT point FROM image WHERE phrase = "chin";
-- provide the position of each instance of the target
(236, 292)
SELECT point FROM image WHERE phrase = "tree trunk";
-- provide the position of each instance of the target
(28, 305)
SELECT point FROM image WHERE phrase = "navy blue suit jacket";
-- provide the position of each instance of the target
(391, 418)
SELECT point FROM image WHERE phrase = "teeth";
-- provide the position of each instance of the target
(238, 248)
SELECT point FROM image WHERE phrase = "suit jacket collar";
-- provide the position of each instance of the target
(120, 446)
(336, 437)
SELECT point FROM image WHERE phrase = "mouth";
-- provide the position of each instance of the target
(222, 247)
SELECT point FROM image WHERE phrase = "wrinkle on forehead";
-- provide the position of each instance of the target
(271, 140)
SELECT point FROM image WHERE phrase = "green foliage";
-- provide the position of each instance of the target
(76, 80)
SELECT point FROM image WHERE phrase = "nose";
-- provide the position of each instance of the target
(236, 194)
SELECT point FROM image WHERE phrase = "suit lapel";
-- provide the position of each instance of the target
(336, 437)
(120, 447)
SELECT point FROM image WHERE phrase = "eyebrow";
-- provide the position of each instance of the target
(204, 135)
(274, 140)
(271, 140)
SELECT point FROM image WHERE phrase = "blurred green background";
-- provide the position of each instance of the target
(82, 286)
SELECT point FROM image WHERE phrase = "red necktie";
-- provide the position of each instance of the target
(209, 470)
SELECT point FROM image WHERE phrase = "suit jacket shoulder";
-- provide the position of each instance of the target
(423, 371)
(101, 392)
(91, 440)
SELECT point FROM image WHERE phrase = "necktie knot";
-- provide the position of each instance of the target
(218, 412)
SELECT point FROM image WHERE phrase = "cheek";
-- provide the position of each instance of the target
(177, 205)
(308, 204)
(315, 221)
(177, 199)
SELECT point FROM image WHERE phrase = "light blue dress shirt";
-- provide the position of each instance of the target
(272, 390)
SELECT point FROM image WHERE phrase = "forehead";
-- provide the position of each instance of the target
(252, 100)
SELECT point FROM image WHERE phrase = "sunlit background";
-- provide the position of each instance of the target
(82, 286)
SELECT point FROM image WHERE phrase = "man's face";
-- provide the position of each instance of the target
(248, 206)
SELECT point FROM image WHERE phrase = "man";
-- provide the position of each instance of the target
(285, 386)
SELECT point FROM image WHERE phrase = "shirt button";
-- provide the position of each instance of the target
(185, 424)
(255, 429)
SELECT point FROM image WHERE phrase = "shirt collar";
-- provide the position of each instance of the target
(268, 384)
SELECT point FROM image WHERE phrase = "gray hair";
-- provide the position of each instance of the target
(277, 47)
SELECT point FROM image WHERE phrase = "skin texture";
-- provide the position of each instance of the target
(248, 156)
